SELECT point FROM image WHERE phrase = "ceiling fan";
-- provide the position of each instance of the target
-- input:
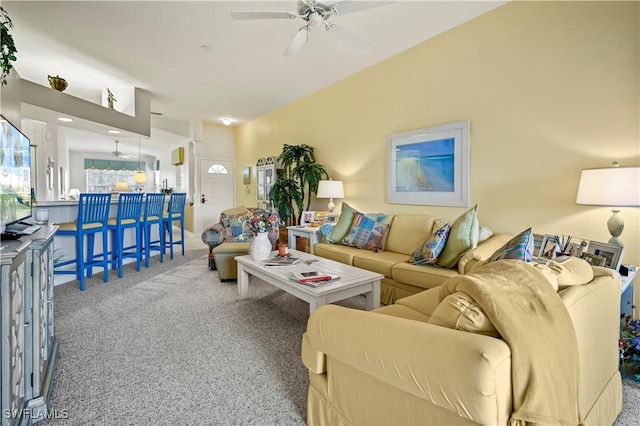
(119, 154)
(316, 13)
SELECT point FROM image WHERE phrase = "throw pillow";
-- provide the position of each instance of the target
(428, 252)
(460, 312)
(344, 223)
(484, 234)
(235, 224)
(519, 247)
(366, 231)
(462, 237)
(572, 271)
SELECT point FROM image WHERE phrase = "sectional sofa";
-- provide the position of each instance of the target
(438, 358)
(402, 235)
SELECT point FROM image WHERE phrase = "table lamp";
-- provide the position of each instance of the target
(330, 189)
(612, 186)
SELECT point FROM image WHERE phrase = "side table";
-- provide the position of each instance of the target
(630, 294)
(310, 232)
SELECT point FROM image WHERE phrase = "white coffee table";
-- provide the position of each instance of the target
(353, 281)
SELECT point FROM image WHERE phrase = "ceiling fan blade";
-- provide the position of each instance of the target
(350, 6)
(297, 42)
(349, 38)
(263, 15)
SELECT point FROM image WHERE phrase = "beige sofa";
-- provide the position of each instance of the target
(401, 279)
(393, 366)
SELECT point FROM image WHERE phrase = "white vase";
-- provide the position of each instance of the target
(260, 247)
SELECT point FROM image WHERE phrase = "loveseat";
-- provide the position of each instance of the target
(427, 361)
(402, 235)
(231, 237)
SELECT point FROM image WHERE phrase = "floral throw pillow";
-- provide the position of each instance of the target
(235, 225)
(428, 252)
(366, 231)
(519, 247)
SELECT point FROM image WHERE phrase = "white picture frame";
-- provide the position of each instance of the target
(307, 218)
(429, 166)
(611, 252)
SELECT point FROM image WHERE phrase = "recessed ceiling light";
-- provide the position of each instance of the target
(226, 121)
(114, 132)
(65, 119)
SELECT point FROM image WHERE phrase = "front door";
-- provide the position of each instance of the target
(217, 186)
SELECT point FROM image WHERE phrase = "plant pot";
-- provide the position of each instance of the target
(58, 83)
(630, 370)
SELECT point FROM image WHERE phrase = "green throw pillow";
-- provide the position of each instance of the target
(462, 237)
(343, 225)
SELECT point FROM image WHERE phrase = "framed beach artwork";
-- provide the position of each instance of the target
(429, 166)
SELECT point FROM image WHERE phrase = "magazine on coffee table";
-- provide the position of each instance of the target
(282, 261)
(313, 278)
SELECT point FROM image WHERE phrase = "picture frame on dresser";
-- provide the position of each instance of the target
(594, 259)
(611, 253)
(307, 217)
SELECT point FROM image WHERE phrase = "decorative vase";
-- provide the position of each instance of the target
(260, 249)
(57, 83)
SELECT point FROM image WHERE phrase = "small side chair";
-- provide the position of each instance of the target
(175, 213)
(128, 217)
(93, 214)
(153, 212)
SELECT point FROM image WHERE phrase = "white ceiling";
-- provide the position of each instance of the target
(241, 74)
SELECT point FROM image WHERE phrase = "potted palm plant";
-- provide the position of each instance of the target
(296, 183)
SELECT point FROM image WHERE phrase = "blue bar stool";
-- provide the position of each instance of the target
(128, 217)
(175, 213)
(93, 214)
(153, 211)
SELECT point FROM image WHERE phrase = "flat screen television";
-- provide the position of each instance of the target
(15, 174)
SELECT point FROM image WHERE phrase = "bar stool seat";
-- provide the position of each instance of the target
(93, 215)
(175, 213)
(128, 217)
(153, 213)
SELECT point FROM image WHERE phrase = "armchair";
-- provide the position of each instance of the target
(231, 237)
(396, 365)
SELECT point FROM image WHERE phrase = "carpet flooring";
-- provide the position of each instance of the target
(172, 345)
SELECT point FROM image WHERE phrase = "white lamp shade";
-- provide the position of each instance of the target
(613, 186)
(330, 189)
(139, 177)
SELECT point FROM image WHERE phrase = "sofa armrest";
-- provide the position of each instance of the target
(485, 249)
(595, 312)
(468, 374)
(213, 235)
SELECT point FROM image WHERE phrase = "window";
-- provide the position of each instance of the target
(218, 169)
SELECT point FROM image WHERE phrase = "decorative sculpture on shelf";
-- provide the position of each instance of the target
(110, 98)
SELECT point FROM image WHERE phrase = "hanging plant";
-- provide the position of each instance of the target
(8, 48)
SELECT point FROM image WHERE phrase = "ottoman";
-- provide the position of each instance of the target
(224, 257)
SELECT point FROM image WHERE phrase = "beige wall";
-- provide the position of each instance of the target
(550, 88)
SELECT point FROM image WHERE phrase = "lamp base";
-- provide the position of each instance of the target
(331, 206)
(615, 225)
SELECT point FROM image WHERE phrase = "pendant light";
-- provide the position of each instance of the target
(139, 176)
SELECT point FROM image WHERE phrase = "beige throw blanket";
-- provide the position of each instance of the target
(532, 319)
